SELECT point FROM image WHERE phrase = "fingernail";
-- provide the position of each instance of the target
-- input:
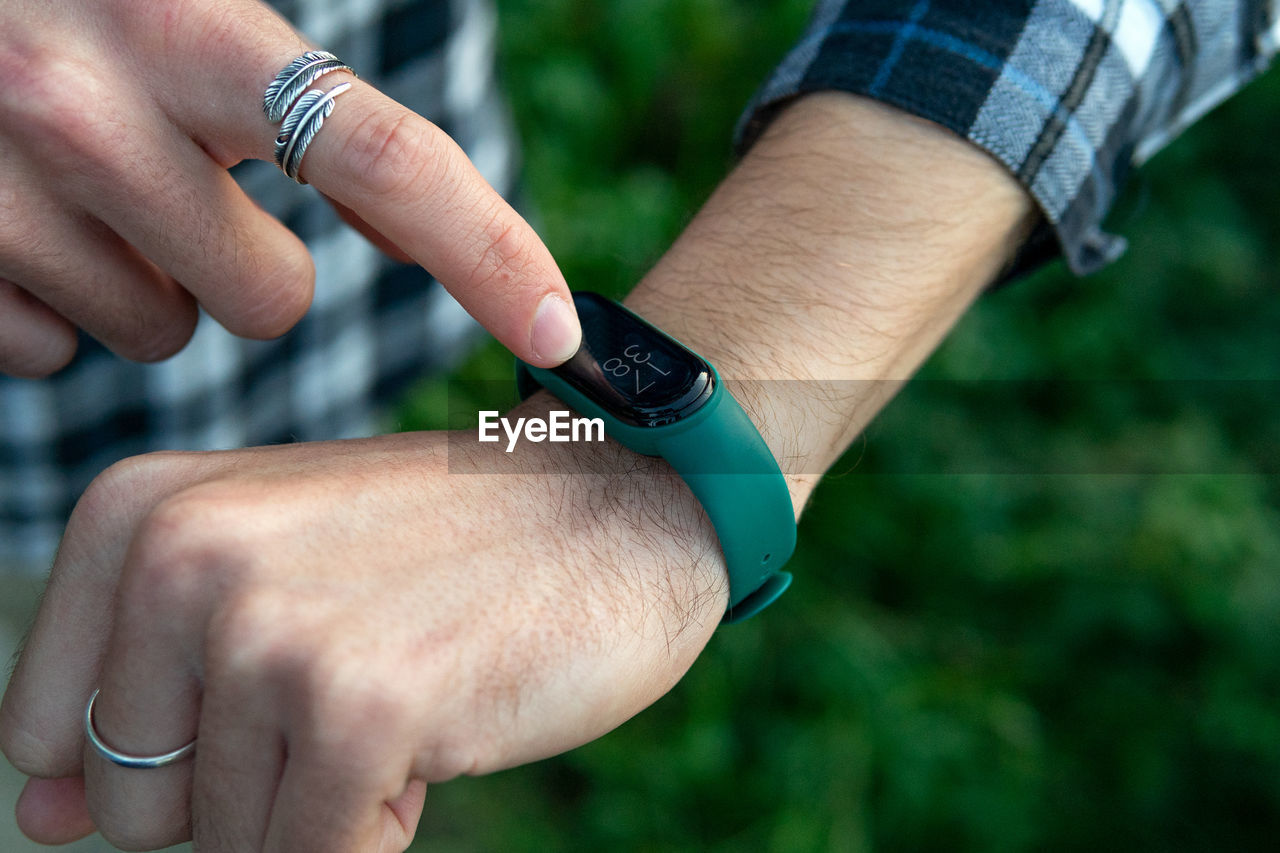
(556, 333)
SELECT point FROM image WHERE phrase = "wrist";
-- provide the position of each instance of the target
(841, 250)
(843, 247)
(615, 501)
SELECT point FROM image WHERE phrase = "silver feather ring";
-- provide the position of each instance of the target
(295, 77)
(301, 126)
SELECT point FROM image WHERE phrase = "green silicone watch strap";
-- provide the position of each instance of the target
(719, 453)
(732, 473)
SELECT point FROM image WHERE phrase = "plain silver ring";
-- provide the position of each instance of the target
(294, 78)
(124, 759)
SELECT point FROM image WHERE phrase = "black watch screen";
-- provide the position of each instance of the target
(634, 371)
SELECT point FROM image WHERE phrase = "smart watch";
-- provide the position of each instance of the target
(660, 398)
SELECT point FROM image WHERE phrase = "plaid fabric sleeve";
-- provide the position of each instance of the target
(1068, 94)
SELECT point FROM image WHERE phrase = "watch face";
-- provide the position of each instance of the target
(632, 370)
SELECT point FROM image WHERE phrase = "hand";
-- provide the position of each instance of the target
(118, 122)
(340, 624)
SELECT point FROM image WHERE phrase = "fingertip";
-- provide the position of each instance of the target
(54, 811)
(60, 348)
(55, 352)
(35, 341)
(556, 333)
(165, 338)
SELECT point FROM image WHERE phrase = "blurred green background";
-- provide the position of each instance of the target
(1064, 656)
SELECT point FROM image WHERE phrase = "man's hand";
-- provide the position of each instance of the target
(118, 122)
(342, 624)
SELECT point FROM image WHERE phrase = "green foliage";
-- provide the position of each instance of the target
(1073, 642)
(626, 108)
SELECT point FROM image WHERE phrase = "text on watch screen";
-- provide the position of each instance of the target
(635, 371)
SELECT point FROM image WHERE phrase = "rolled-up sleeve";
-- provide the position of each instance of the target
(1067, 94)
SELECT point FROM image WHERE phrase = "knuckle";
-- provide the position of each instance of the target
(253, 636)
(267, 639)
(335, 682)
(189, 541)
(158, 581)
(66, 110)
(350, 703)
(398, 153)
(128, 480)
(469, 756)
(24, 60)
(182, 27)
(506, 250)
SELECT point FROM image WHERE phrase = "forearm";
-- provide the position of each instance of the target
(845, 245)
(828, 266)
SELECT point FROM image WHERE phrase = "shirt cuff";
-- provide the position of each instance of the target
(1067, 94)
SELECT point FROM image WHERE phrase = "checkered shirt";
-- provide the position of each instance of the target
(1068, 94)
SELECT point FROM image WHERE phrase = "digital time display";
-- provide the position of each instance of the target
(640, 375)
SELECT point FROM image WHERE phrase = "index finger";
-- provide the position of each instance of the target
(410, 181)
(398, 172)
